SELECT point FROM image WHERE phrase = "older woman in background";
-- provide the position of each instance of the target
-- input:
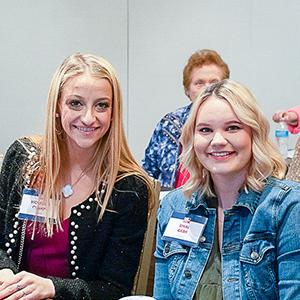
(203, 68)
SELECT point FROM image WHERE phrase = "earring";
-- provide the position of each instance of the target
(57, 115)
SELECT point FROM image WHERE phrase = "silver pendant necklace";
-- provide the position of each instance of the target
(67, 189)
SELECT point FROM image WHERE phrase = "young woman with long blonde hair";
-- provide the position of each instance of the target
(74, 204)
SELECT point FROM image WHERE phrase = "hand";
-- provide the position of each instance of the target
(5, 275)
(290, 117)
(26, 285)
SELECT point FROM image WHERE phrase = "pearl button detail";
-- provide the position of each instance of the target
(254, 255)
(202, 239)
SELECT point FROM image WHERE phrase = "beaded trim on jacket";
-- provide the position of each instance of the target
(31, 165)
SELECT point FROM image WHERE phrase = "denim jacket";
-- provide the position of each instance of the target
(260, 250)
(162, 152)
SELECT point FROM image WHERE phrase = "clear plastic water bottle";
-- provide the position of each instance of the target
(282, 138)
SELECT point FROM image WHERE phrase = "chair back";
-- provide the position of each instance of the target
(144, 277)
(293, 172)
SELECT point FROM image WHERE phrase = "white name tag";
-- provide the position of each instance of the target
(185, 228)
(32, 207)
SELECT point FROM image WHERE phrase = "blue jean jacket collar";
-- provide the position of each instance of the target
(248, 199)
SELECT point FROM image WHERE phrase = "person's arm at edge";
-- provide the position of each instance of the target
(288, 246)
(9, 178)
(294, 128)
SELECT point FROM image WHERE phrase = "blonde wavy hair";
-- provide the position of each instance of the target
(112, 159)
(265, 161)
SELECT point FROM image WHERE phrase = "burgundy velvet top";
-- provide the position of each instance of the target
(47, 256)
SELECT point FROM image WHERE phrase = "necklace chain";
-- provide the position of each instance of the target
(79, 177)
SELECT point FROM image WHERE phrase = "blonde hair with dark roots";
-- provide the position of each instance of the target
(112, 159)
(265, 161)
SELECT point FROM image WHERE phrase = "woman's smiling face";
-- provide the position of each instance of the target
(222, 143)
(85, 110)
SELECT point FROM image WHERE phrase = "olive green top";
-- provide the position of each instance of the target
(210, 285)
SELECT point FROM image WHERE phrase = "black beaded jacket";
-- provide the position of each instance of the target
(103, 256)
